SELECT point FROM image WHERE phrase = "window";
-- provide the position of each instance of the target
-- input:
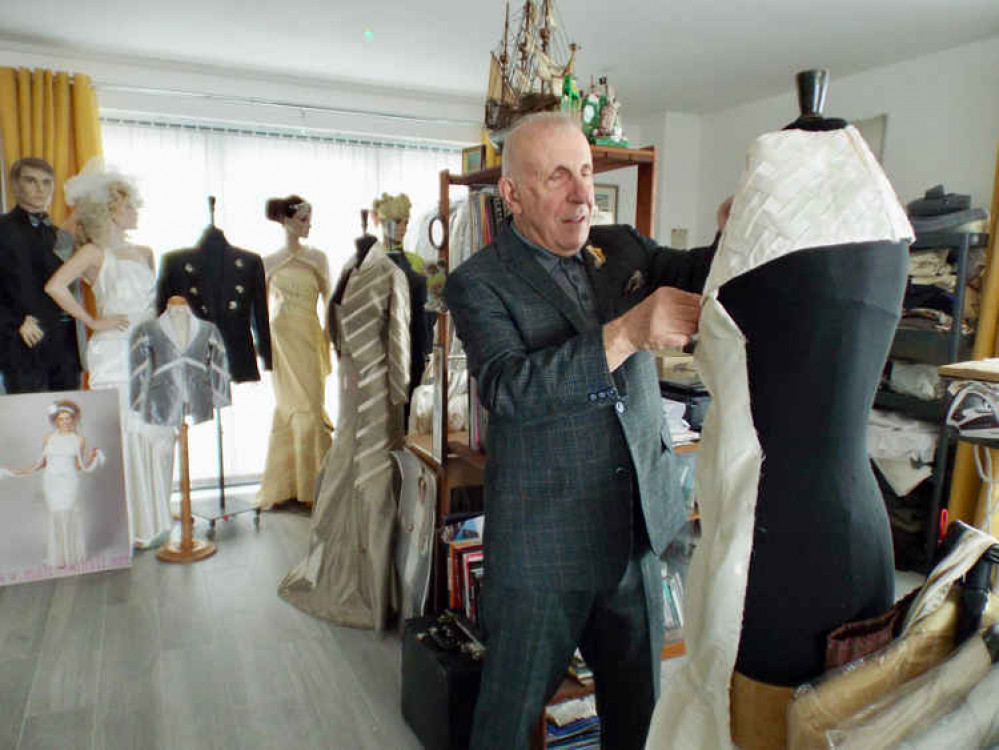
(177, 167)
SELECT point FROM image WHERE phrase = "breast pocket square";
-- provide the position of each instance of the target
(635, 282)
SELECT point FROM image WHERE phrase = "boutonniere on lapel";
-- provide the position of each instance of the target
(635, 282)
(597, 254)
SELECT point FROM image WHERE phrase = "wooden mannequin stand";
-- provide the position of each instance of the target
(189, 549)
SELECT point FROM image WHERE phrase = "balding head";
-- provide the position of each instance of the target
(516, 148)
(547, 182)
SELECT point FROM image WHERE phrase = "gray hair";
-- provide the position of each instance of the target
(539, 119)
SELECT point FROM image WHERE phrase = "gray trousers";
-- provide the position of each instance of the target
(531, 638)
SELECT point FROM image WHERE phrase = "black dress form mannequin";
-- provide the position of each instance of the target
(812, 86)
(818, 325)
(362, 245)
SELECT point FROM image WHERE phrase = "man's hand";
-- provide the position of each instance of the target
(667, 318)
(31, 333)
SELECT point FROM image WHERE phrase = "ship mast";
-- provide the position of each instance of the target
(504, 57)
(545, 31)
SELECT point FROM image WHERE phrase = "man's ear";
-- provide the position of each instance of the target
(510, 194)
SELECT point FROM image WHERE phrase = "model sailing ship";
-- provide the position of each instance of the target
(531, 68)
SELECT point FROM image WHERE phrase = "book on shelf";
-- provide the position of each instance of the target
(578, 669)
(456, 550)
(573, 724)
(471, 558)
(672, 600)
(475, 590)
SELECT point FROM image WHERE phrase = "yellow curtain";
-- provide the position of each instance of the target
(51, 115)
(969, 498)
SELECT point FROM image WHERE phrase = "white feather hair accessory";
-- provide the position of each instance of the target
(94, 182)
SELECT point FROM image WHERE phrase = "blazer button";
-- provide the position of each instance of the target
(620, 407)
(620, 472)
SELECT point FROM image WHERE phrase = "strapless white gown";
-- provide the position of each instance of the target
(128, 287)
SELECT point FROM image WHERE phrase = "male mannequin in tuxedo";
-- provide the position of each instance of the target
(38, 341)
(557, 320)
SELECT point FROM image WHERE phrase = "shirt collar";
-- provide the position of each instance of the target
(34, 219)
(547, 258)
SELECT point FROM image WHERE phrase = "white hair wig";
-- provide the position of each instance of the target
(94, 194)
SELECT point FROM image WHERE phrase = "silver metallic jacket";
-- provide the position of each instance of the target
(171, 381)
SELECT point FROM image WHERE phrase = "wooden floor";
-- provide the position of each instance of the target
(193, 656)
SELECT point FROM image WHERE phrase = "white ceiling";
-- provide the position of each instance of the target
(681, 55)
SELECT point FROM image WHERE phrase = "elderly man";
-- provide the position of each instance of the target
(38, 341)
(558, 320)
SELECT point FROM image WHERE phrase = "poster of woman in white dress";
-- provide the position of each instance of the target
(62, 489)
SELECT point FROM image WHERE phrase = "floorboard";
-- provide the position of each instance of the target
(202, 657)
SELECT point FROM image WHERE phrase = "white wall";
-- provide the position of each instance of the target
(213, 94)
(943, 125)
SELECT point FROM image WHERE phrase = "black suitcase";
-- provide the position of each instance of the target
(439, 688)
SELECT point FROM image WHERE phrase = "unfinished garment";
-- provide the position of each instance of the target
(916, 705)
(928, 636)
(348, 575)
(973, 724)
(797, 316)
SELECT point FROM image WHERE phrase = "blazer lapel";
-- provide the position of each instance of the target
(599, 283)
(520, 260)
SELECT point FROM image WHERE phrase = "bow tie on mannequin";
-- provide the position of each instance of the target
(39, 219)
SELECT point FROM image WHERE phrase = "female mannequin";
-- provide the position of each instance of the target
(797, 317)
(300, 431)
(124, 285)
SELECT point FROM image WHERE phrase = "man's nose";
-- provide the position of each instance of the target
(580, 190)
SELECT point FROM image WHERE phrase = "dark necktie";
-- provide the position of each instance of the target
(571, 276)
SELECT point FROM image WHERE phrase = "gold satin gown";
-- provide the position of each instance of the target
(300, 430)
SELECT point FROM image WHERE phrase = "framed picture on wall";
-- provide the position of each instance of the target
(473, 158)
(606, 200)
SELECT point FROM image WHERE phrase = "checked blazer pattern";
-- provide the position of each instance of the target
(571, 446)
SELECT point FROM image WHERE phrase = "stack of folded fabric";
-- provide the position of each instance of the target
(573, 724)
(929, 300)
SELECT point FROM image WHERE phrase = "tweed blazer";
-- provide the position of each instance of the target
(571, 445)
(224, 285)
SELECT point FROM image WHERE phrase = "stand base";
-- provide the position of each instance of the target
(173, 552)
